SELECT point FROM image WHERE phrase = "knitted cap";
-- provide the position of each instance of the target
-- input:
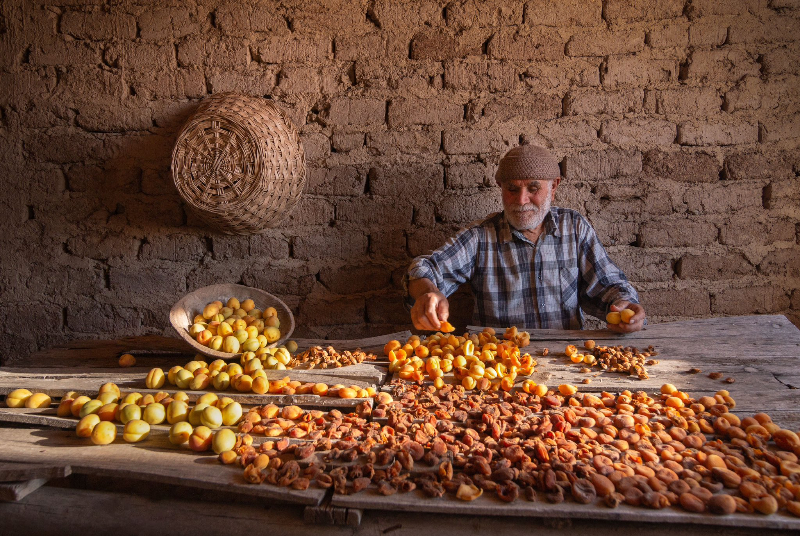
(527, 162)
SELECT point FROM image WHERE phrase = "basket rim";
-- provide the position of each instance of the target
(253, 293)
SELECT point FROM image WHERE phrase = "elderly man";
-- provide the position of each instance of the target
(532, 265)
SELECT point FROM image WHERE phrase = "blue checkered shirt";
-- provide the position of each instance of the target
(549, 284)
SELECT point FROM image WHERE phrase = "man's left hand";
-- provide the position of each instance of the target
(635, 323)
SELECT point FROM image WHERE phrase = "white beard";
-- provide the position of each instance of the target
(527, 217)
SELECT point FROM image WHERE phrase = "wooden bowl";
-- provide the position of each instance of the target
(183, 312)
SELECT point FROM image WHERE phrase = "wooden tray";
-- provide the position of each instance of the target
(183, 312)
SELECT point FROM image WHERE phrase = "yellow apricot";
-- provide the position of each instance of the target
(613, 317)
(65, 407)
(130, 412)
(154, 413)
(183, 379)
(211, 417)
(233, 304)
(17, 398)
(260, 384)
(92, 406)
(126, 360)
(179, 432)
(135, 430)
(224, 439)
(625, 315)
(178, 411)
(104, 433)
(108, 412)
(155, 379)
(248, 305)
(38, 400)
(200, 439)
(272, 334)
(86, 425)
(231, 414)
(210, 310)
(221, 381)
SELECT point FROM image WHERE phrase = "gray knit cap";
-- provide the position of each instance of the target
(527, 162)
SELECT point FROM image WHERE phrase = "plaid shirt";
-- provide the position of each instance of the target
(548, 284)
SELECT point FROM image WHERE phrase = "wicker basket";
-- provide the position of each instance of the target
(239, 163)
(183, 312)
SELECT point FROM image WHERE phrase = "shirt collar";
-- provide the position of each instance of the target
(507, 233)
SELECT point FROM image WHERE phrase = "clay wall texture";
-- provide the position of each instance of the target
(677, 123)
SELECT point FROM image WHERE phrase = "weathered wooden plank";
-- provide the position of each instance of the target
(490, 505)
(726, 327)
(15, 491)
(10, 472)
(166, 466)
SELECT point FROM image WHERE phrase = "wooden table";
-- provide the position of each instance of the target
(761, 353)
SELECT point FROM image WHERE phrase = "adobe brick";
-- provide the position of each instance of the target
(85, 81)
(692, 102)
(114, 118)
(782, 263)
(751, 230)
(464, 141)
(593, 102)
(638, 132)
(590, 165)
(463, 209)
(750, 300)
(374, 211)
(172, 84)
(176, 247)
(713, 133)
(387, 309)
(679, 232)
(269, 246)
(484, 13)
(225, 53)
(713, 267)
(406, 180)
(330, 243)
(142, 56)
(780, 129)
(347, 141)
(782, 59)
(676, 302)
(643, 265)
(404, 142)
(708, 33)
(621, 11)
(319, 310)
(256, 81)
(65, 53)
(668, 34)
(442, 110)
(355, 279)
(293, 49)
(592, 42)
(442, 44)
(389, 243)
(287, 279)
(705, 8)
(759, 165)
(230, 247)
(311, 211)
(339, 180)
(568, 132)
(64, 146)
(721, 65)
(640, 71)
(471, 175)
(782, 194)
(88, 316)
(564, 13)
(298, 80)
(141, 284)
(167, 23)
(541, 44)
(681, 165)
(399, 16)
(480, 76)
(364, 112)
(540, 107)
(241, 20)
(98, 25)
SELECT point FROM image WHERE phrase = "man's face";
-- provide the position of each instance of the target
(526, 202)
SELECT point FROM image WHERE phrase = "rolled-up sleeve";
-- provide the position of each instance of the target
(449, 266)
(602, 282)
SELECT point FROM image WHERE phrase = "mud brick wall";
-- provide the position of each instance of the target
(677, 123)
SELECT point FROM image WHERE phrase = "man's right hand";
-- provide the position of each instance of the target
(430, 310)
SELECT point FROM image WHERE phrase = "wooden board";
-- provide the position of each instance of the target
(169, 466)
(10, 472)
(490, 505)
(15, 491)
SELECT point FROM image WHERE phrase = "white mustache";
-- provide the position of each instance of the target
(524, 208)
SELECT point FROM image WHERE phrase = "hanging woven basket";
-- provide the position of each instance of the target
(239, 163)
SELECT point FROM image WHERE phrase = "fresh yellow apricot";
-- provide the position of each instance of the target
(205, 336)
(224, 440)
(272, 334)
(210, 310)
(135, 430)
(613, 317)
(77, 405)
(248, 305)
(260, 384)
(668, 389)
(291, 346)
(86, 425)
(104, 433)
(231, 414)
(130, 412)
(178, 411)
(243, 383)
(180, 395)
(183, 379)
(108, 412)
(625, 315)
(17, 398)
(211, 417)
(200, 439)
(233, 304)
(154, 413)
(65, 407)
(179, 432)
(38, 400)
(199, 382)
(194, 414)
(221, 381)
(272, 322)
(92, 406)
(126, 360)
(155, 379)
